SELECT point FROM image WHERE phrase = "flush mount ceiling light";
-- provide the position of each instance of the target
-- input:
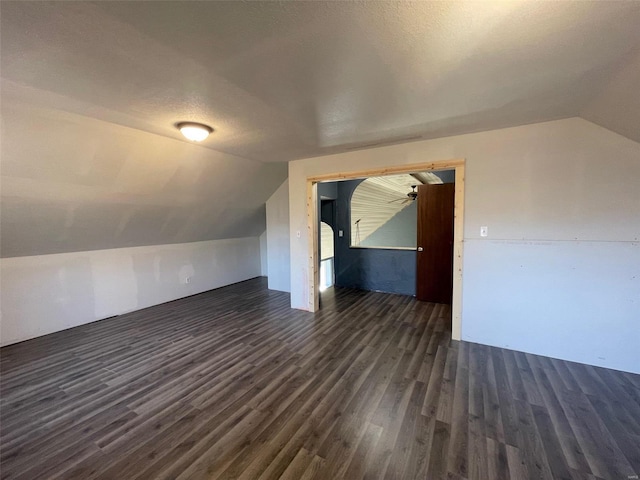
(196, 132)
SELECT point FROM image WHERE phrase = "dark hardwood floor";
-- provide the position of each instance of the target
(234, 384)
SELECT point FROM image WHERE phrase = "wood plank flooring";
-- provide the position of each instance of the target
(232, 383)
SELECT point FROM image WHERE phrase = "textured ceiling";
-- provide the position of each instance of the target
(281, 81)
(91, 93)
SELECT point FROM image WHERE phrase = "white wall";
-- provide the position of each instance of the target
(278, 239)
(263, 254)
(47, 293)
(559, 273)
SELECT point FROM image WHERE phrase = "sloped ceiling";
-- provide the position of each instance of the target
(617, 106)
(73, 183)
(91, 93)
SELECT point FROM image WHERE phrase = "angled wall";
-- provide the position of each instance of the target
(70, 183)
(559, 273)
(98, 219)
(617, 106)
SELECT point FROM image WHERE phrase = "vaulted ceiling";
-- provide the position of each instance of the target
(91, 92)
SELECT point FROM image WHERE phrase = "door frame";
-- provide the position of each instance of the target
(458, 225)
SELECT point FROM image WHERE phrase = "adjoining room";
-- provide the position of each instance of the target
(320, 240)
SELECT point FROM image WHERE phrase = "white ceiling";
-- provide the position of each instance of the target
(91, 93)
(281, 81)
(83, 184)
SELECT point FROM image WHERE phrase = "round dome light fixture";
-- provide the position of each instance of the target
(196, 132)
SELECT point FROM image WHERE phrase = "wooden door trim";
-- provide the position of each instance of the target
(394, 170)
(458, 224)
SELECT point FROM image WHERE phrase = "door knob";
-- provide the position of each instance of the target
(420, 249)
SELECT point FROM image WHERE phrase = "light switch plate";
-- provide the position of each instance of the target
(484, 231)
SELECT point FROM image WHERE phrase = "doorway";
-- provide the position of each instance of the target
(313, 226)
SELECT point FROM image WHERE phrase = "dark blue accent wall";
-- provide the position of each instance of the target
(384, 270)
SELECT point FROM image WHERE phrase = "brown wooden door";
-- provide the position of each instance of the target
(434, 279)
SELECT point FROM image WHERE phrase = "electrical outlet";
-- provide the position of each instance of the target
(484, 231)
(187, 280)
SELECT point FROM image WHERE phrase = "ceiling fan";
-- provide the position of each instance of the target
(412, 195)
